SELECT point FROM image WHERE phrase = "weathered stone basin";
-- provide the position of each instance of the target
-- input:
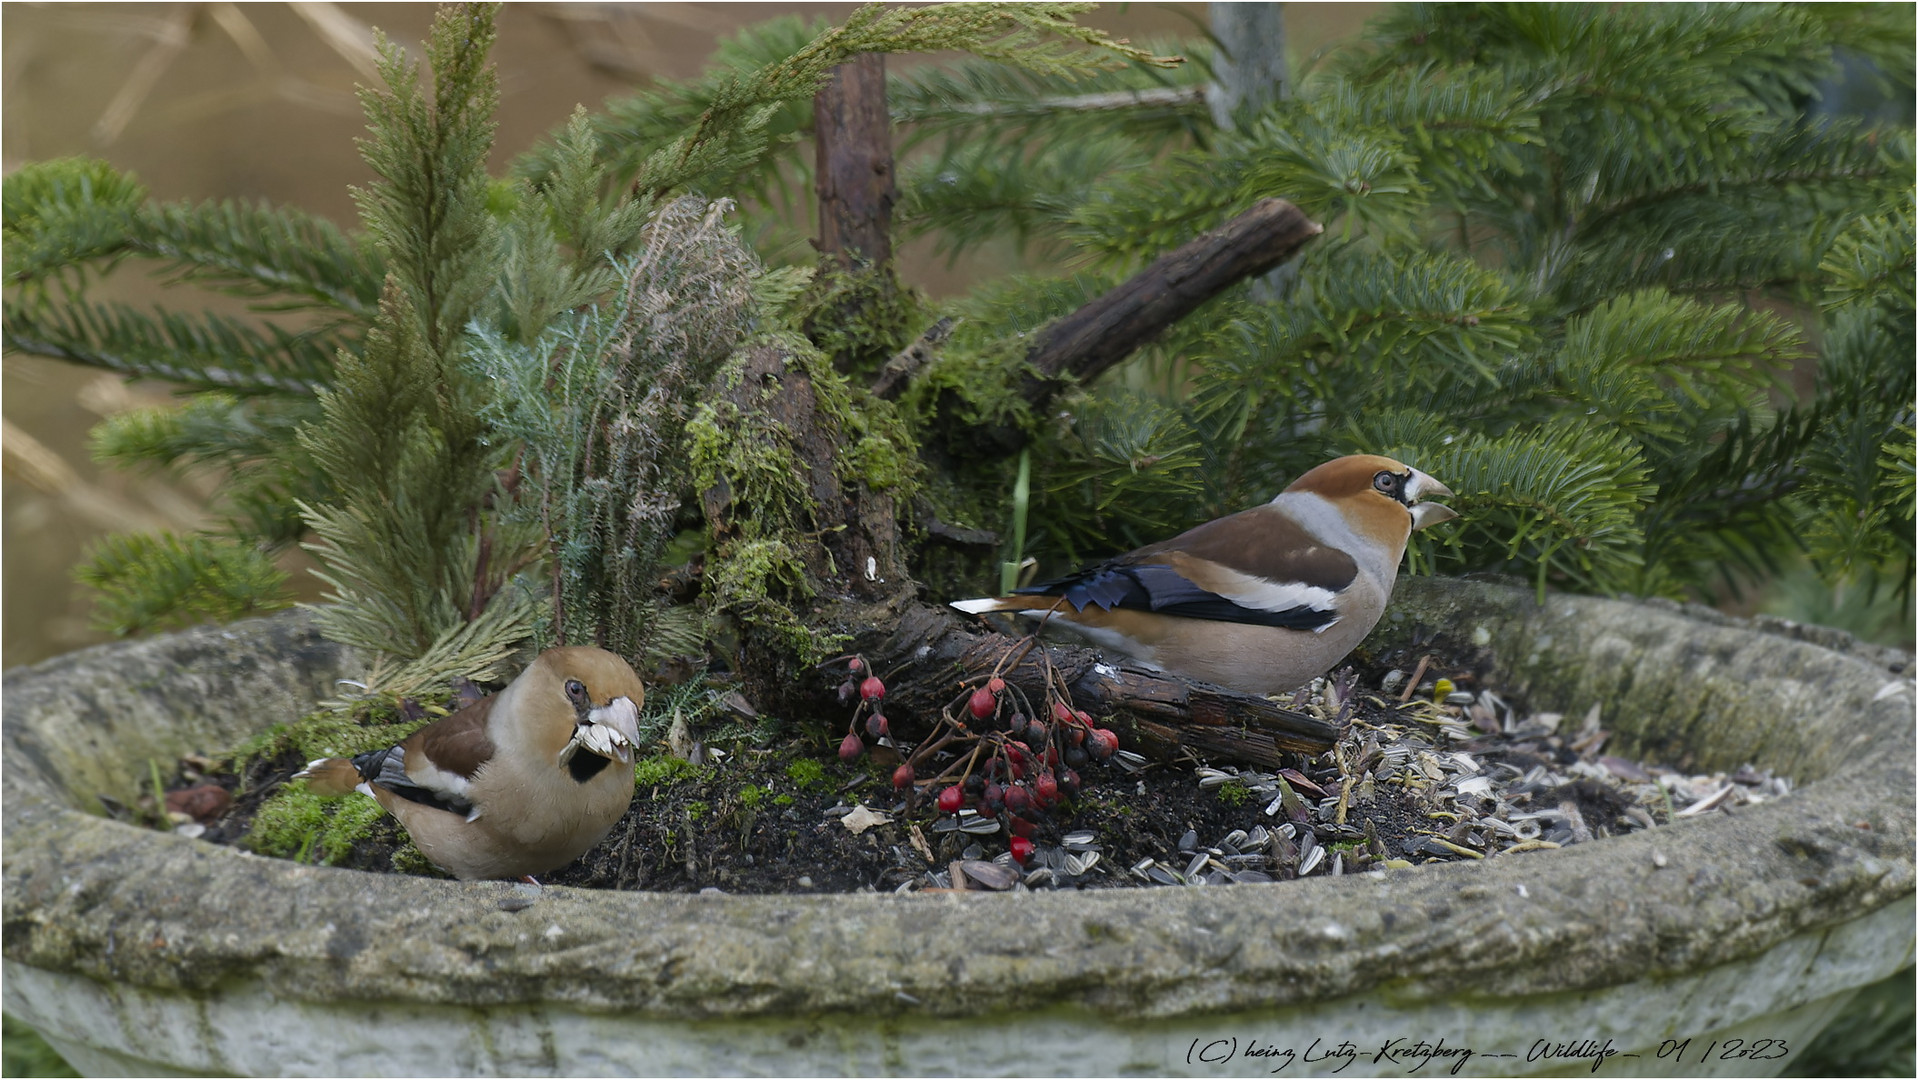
(137, 952)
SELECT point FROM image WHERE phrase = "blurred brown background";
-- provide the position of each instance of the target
(254, 101)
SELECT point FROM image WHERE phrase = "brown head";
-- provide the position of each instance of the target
(558, 702)
(1378, 495)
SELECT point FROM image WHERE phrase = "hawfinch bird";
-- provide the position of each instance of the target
(518, 783)
(1262, 601)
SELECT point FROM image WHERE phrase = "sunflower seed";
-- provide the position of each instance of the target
(1311, 861)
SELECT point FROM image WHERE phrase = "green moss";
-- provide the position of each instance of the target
(860, 318)
(759, 572)
(697, 810)
(752, 796)
(338, 732)
(1234, 793)
(808, 774)
(408, 859)
(782, 800)
(297, 823)
(664, 770)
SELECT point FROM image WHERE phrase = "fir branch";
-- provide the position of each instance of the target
(984, 191)
(1563, 502)
(974, 99)
(600, 403)
(477, 649)
(61, 214)
(153, 581)
(427, 213)
(209, 428)
(731, 132)
(207, 351)
(259, 250)
(1872, 261)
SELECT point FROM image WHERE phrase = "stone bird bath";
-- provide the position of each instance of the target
(138, 952)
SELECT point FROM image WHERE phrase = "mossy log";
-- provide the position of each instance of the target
(858, 592)
(931, 652)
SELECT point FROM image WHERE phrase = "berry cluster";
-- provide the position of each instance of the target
(994, 751)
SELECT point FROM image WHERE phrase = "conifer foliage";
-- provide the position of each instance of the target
(1571, 255)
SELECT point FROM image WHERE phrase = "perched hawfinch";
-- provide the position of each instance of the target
(1262, 601)
(517, 784)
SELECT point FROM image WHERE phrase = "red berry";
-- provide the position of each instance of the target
(997, 685)
(1084, 717)
(1017, 799)
(1102, 743)
(1060, 711)
(855, 665)
(1052, 756)
(1021, 850)
(982, 703)
(994, 798)
(1021, 826)
(902, 777)
(950, 800)
(986, 810)
(872, 689)
(847, 691)
(851, 748)
(1045, 790)
(876, 726)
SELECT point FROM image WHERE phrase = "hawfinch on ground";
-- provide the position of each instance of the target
(516, 784)
(1262, 601)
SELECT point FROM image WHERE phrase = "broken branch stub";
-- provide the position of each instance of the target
(1108, 329)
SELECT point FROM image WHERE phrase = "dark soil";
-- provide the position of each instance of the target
(772, 818)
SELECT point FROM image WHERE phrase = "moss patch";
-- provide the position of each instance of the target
(303, 826)
(861, 317)
(767, 558)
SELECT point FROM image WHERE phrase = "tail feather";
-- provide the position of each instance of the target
(330, 776)
(985, 604)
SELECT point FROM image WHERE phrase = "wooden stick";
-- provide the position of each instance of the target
(1108, 329)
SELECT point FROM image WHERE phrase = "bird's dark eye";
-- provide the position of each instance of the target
(576, 690)
(1388, 482)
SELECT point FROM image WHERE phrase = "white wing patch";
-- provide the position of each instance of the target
(423, 772)
(1260, 594)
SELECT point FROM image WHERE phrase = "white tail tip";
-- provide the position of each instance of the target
(977, 607)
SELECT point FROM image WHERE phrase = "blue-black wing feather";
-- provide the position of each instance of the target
(387, 768)
(1158, 588)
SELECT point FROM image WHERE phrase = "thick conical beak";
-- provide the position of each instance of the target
(1426, 514)
(612, 730)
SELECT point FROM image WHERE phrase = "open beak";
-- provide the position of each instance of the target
(611, 731)
(1425, 514)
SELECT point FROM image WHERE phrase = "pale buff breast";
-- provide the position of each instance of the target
(557, 821)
